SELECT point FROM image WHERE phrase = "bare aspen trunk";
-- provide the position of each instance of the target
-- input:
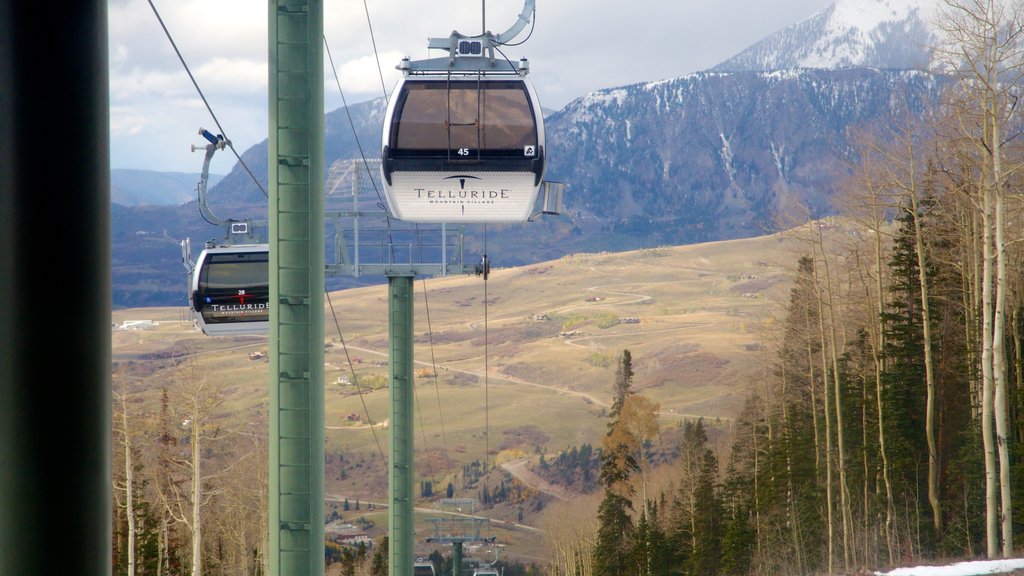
(929, 362)
(828, 434)
(987, 393)
(814, 405)
(876, 351)
(833, 346)
(972, 306)
(129, 475)
(129, 478)
(768, 423)
(865, 464)
(877, 342)
(197, 498)
(162, 546)
(1018, 360)
(999, 359)
(989, 37)
(790, 490)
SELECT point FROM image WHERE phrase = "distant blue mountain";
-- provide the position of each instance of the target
(150, 188)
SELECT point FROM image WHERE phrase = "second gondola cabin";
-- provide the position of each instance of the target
(464, 146)
(231, 290)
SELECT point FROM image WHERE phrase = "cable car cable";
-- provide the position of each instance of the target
(423, 433)
(504, 56)
(355, 380)
(203, 97)
(351, 123)
(419, 410)
(433, 363)
(433, 368)
(374, 42)
(487, 414)
(380, 200)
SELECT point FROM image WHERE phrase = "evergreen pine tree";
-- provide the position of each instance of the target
(739, 498)
(615, 529)
(706, 557)
(379, 563)
(623, 382)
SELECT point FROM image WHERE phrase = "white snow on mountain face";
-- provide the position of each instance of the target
(849, 33)
(868, 14)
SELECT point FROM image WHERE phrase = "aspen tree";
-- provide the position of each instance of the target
(827, 299)
(908, 183)
(129, 468)
(196, 402)
(872, 200)
(985, 46)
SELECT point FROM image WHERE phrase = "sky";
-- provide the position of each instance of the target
(576, 47)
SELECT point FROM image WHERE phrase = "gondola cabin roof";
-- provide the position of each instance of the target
(423, 568)
(463, 147)
(230, 290)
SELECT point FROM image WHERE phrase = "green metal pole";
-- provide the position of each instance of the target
(400, 478)
(457, 558)
(296, 215)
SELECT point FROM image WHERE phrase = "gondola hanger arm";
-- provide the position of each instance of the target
(529, 8)
(489, 40)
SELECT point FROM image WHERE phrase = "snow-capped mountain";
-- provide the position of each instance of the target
(709, 156)
(886, 34)
(713, 155)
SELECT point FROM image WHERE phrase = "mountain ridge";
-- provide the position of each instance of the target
(131, 187)
(885, 34)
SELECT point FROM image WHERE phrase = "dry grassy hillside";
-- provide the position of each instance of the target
(530, 372)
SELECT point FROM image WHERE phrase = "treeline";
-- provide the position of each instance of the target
(576, 468)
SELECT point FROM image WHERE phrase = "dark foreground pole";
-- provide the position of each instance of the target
(55, 476)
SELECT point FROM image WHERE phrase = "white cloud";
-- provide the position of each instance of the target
(362, 76)
(233, 76)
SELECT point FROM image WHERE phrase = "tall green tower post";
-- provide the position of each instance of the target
(400, 467)
(296, 235)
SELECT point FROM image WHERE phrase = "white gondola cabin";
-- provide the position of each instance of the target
(230, 290)
(463, 136)
(423, 568)
(463, 149)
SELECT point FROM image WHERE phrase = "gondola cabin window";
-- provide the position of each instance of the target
(464, 120)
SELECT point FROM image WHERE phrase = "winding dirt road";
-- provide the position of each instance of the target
(519, 470)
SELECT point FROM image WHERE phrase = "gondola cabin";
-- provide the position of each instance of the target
(423, 568)
(463, 147)
(230, 290)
